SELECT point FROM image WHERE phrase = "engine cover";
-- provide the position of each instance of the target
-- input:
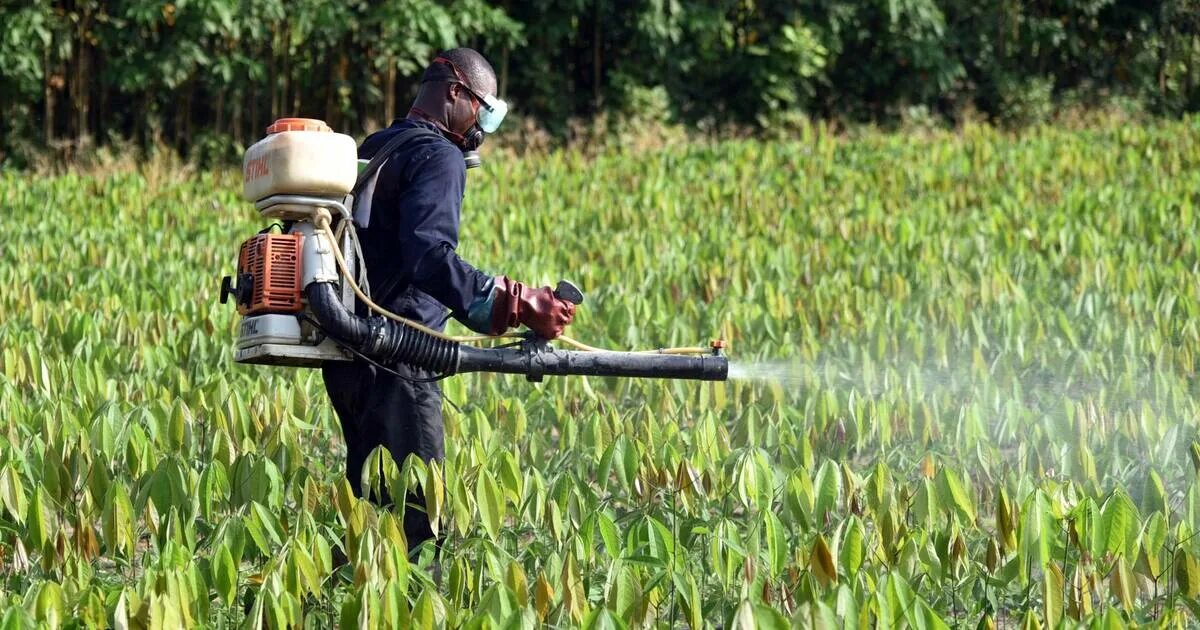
(284, 340)
(272, 263)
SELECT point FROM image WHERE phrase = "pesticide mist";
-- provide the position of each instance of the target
(995, 390)
(782, 371)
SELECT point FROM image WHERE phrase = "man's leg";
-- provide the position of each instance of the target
(411, 418)
(349, 386)
(377, 408)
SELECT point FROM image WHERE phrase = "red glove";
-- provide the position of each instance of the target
(538, 309)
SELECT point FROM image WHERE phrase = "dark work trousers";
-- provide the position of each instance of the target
(380, 409)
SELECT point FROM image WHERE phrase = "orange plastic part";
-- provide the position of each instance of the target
(273, 261)
(298, 124)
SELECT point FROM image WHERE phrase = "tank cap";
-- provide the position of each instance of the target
(297, 124)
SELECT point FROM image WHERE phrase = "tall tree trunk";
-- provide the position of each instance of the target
(47, 98)
(236, 125)
(284, 103)
(330, 87)
(178, 137)
(1164, 54)
(389, 92)
(219, 127)
(188, 100)
(338, 78)
(503, 87)
(596, 92)
(80, 86)
(255, 125)
(297, 98)
(1193, 71)
(102, 100)
(143, 120)
(273, 74)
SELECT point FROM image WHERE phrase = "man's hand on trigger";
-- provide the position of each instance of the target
(538, 309)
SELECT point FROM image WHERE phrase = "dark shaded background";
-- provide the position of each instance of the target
(206, 76)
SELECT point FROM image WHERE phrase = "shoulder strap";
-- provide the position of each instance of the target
(364, 185)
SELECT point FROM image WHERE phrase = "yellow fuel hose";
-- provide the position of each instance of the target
(322, 222)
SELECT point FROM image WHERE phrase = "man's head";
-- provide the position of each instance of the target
(458, 93)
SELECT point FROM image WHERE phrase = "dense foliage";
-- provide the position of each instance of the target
(204, 75)
(984, 407)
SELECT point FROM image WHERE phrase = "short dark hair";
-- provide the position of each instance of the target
(478, 71)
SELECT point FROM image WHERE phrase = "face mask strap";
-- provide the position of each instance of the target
(455, 137)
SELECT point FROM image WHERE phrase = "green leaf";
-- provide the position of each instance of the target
(767, 618)
(744, 618)
(1007, 520)
(510, 476)
(15, 618)
(117, 520)
(1187, 573)
(260, 524)
(571, 582)
(827, 486)
(1052, 595)
(602, 619)
(777, 547)
(923, 617)
(214, 490)
(491, 503)
(1121, 584)
(1154, 494)
(12, 494)
(625, 592)
(435, 495)
(689, 598)
(953, 494)
(42, 520)
(821, 562)
(608, 534)
(543, 596)
(1036, 531)
(49, 606)
(850, 547)
(1119, 525)
(515, 580)
(224, 575)
(423, 612)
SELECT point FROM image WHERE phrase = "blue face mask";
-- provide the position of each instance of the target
(491, 114)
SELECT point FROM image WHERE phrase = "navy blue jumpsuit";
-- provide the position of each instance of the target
(414, 272)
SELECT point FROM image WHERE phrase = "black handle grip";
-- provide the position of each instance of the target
(241, 292)
(227, 289)
(567, 291)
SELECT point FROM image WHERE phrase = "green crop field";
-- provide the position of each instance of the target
(970, 398)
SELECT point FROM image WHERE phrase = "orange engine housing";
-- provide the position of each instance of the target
(273, 263)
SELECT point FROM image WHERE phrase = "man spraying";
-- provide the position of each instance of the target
(412, 217)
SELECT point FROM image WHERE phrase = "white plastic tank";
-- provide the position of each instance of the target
(299, 156)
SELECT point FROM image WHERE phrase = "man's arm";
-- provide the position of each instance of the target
(428, 213)
(428, 234)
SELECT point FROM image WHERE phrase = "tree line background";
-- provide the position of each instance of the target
(211, 74)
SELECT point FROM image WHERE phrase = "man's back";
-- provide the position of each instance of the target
(413, 229)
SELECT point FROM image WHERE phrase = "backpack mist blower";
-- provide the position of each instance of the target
(297, 288)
